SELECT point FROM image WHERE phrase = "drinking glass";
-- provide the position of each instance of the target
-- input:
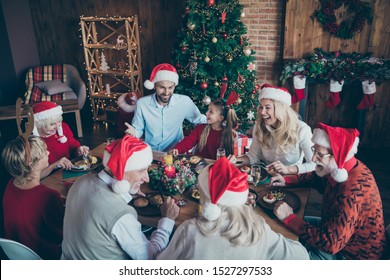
(256, 174)
(221, 153)
(181, 186)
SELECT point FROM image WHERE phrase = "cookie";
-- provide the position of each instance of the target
(141, 202)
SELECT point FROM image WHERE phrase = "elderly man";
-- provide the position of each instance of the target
(351, 225)
(160, 116)
(228, 228)
(99, 223)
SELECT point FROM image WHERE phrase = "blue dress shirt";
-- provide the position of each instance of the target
(163, 125)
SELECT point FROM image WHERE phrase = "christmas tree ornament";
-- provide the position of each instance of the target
(216, 83)
(239, 100)
(247, 51)
(206, 100)
(233, 98)
(242, 15)
(224, 79)
(223, 90)
(191, 25)
(224, 36)
(187, 10)
(178, 65)
(299, 87)
(257, 87)
(369, 88)
(334, 97)
(204, 85)
(229, 58)
(210, 3)
(183, 48)
(254, 91)
(214, 40)
(240, 79)
(241, 41)
(207, 59)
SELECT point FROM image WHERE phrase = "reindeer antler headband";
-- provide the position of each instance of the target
(29, 126)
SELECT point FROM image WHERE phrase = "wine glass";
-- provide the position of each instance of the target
(256, 174)
(181, 187)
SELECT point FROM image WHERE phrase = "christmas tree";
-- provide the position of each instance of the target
(214, 58)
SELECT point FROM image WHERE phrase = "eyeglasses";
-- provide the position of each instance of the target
(320, 155)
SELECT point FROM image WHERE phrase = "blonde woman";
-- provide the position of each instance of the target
(280, 139)
(218, 132)
(33, 213)
(227, 228)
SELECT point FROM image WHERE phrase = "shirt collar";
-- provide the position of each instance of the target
(109, 180)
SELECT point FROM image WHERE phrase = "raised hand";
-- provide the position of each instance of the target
(130, 129)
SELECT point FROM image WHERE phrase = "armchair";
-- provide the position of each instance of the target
(54, 83)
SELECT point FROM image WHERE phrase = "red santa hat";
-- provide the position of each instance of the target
(44, 110)
(127, 102)
(162, 72)
(342, 141)
(223, 184)
(275, 93)
(126, 154)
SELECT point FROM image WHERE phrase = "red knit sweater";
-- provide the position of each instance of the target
(59, 150)
(352, 221)
(34, 217)
(212, 144)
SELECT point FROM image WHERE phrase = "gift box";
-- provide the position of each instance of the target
(240, 144)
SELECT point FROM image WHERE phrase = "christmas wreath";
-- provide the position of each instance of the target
(347, 28)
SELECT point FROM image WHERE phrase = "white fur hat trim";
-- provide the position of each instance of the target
(320, 137)
(48, 113)
(162, 75)
(275, 94)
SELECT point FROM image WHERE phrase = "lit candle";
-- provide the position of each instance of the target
(168, 159)
(170, 171)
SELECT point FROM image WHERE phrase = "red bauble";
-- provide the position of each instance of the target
(204, 85)
(254, 91)
(183, 48)
(257, 86)
(211, 3)
(225, 79)
(224, 36)
(178, 65)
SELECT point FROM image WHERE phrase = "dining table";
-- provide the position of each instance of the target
(61, 180)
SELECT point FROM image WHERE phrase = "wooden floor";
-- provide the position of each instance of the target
(96, 133)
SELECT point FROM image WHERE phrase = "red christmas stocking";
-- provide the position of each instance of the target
(299, 86)
(334, 97)
(368, 97)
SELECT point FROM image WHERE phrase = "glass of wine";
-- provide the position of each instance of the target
(181, 186)
(256, 174)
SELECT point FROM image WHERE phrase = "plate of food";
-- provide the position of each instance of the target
(85, 164)
(149, 205)
(252, 197)
(197, 163)
(268, 197)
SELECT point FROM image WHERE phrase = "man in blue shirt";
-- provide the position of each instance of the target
(160, 116)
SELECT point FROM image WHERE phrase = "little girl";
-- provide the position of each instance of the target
(218, 132)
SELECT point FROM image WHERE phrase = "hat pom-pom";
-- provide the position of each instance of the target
(340, 175)
(120, 187)
(148, 84)
(210, 211)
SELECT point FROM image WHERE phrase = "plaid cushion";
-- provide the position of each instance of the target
(40, 74)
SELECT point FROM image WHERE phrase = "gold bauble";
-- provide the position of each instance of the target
(229, 58)
(214, 40)
(207, 59)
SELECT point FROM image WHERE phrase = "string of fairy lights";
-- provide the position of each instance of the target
(95, 62)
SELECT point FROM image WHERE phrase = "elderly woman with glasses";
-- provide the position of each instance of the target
(280, 139)
(33, 213)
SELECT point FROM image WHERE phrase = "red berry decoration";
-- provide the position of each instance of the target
(224, 36)
(204, 85)
(183, 48)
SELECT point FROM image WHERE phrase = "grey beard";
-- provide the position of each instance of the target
(328, 168)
